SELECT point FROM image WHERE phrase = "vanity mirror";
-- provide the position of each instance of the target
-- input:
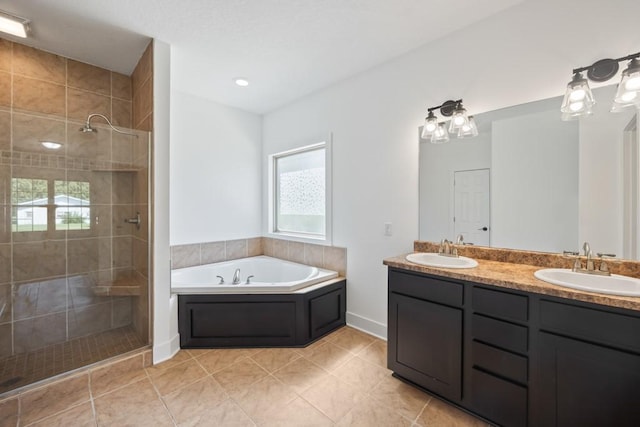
(531, 181)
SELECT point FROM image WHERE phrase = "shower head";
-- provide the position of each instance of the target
(88, 129)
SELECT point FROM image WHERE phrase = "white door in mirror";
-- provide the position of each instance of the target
(612, 285)
(431, 259)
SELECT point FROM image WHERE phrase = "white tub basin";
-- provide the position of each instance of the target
(613, 285)
(431, 259)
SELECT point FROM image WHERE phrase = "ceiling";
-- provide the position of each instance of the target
(286, 48)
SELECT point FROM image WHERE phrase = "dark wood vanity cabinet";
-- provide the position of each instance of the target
(515, 358)
(425, 317)
(588, 366)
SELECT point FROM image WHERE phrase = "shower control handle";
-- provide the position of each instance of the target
(137, 221)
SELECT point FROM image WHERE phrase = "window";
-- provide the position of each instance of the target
(31, 205)
(300, 192)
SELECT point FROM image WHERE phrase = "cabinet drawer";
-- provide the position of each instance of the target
(498, 400)
(613, 329)
(501, 334)
(500, 304)
(424, 287)
(500, 362)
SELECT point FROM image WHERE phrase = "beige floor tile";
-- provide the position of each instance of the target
(367, 413)
(361, 374)
(178, 376)
(266, 395)
(133, 405)
(236, 378)
(333, 397)
(300, 374)
(406, 400)
(53, 398)
(116, 375)
(272, 359)
(188, 403)
(219, 359)
(296, 414)
(351, 339)
(376, 353)
(227, 414)
(439, 413)
(329, 356)
(308, 350)
(181, 356)
(79, 416)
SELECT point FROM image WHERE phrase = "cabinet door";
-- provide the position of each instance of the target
(425, 344)
(584, 384)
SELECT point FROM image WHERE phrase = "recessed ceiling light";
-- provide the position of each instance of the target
(13, 25)
(51, 145)
(241, 81)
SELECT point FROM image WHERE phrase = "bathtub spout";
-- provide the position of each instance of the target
(236, 277)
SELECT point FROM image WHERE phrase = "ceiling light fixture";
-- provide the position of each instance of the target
(578, 99)
(14, 25)
(51, 145)
(460, 125)
(241, 81)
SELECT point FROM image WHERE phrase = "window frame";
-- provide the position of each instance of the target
(272, 193)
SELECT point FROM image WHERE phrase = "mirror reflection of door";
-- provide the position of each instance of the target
(631, 199)
(471, 191)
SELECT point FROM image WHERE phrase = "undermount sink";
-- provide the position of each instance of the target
(431, 259)
(613, 285)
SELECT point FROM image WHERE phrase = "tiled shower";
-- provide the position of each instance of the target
(74, 285)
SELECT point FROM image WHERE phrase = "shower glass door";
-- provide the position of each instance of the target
(74, 245)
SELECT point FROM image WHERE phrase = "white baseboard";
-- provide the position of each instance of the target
(367, 325)
(166, 350)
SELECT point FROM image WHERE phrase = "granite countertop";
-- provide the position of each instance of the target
(516, 276)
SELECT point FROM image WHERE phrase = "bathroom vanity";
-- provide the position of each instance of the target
(512, 349)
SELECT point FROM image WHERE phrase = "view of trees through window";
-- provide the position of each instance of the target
(33, 209)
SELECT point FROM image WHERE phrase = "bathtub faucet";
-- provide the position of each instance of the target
(236, 277)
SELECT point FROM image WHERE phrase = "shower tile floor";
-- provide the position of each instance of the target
(340, 380)
(26, 368)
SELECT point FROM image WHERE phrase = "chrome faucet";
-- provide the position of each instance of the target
(590, 266)
(587, 252)
(447, 248)
(236, 277)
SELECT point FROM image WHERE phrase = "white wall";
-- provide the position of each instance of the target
(523, 54)
(534, 183)
(215, 171)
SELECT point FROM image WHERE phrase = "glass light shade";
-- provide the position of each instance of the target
(458, 119)
(440, 135)
(628, 94)
(469, 130)
(578, 99)
(430, 125)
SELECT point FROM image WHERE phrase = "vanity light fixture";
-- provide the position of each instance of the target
(469, 130)
(578, 99)
(14, 25)
(460, 123)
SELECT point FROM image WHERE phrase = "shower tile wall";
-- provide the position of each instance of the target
(47, 278)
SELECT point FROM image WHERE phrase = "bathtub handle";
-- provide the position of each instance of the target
(221, 280)
(248, 282)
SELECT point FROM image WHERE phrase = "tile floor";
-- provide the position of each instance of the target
(27, 368)
(340, 380)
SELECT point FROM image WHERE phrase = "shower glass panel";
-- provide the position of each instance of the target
(74, 285)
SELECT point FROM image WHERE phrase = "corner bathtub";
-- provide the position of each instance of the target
(285, 304)
(270, 275)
